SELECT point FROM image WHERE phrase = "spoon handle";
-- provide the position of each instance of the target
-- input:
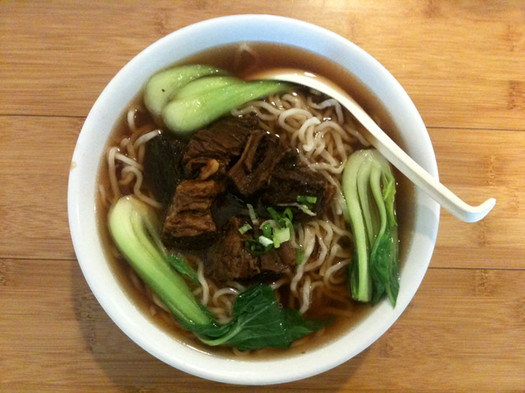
(412, 170)
(386, 146)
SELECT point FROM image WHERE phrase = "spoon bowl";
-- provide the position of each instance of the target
(383, 143)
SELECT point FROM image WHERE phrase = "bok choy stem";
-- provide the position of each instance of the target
(369, 190)
(133, 226)
(186, 98)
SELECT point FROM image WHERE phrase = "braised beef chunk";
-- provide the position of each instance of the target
(228, 259)
(223, 141)
(195, 195)
(261, 155)
(189, 222)
(163, 166)
(226, 206)
(190, 230)
(207, 182)
(287, 183)
(279, 260)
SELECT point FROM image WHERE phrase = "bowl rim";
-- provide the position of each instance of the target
(82, 209)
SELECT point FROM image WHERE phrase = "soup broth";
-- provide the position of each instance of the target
(242, 60)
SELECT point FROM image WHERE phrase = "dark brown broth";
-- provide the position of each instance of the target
(269, 56)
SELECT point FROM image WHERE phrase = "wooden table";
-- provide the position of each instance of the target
(463, 64)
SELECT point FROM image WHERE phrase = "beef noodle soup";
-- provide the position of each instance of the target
(280, 157)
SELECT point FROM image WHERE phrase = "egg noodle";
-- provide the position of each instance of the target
(324, 136)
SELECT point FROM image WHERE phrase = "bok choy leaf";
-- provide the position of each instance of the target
(369, 190)
(260, 322)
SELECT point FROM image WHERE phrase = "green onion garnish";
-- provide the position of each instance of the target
(245, 228)
(307, 199)
(273, 232)
(280, 235)
(299, 255)
(265, 241)
(251, 213)
(306, 210)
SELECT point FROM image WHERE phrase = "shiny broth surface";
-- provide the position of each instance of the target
(242, 63)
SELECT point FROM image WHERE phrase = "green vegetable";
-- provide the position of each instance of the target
(265, 241)
(179, 264)
(306, 203)
(204, 85)
(245, 228)
(280, 235)
(189, 97)
(277, 230)
(299, 255)
(267, 229)
(258, 320)
(307, 199)
(134, 227)
(369, 190)
(255, 247)
(252, 214)
(193, 112)
(305, 209)
(284, 220)
(160, 87)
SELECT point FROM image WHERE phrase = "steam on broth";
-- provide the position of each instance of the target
(320, 136)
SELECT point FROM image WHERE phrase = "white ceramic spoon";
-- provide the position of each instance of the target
(386, 146)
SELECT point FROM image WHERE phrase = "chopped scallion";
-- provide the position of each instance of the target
(280, 235)
(306, 199)
(306, 210)
(273, 232)
(265, 241)
(245, 228)
(267, 229)
(251, 213)
(299, 255)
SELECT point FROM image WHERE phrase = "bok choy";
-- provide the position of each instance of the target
(258, 320)
(161, 87)
(369, 190)
(186, 98)
(188, 114)
(133, 225)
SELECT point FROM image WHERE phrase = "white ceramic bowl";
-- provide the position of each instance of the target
(87, 157)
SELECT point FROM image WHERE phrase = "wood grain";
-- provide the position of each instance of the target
(462, 332)
(35, 162)
(478, 164)
(462, 64)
